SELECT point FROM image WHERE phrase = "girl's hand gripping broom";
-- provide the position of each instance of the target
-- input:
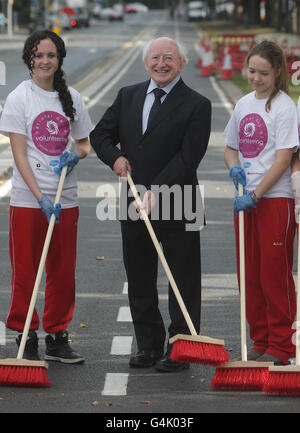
(186, 348)
(285, 380)
(19, 371)
(241, 375)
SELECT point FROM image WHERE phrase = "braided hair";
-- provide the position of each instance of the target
(59, 82)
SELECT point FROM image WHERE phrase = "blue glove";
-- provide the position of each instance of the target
(48, 208)
(238, 175)
(243, 203)
(69, 159)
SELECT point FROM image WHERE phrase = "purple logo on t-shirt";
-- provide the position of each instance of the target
(50, 132)
(253, 135)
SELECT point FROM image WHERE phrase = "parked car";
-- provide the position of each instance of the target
(82, 17)
(97, 11)
(105, 13)
(141, 7)
(196, 11)
(117, 13)
(68, 18)
(136, 7)
(131, 8)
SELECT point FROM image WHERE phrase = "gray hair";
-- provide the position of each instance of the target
(181, 48)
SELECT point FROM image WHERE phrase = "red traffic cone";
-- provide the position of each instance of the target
(201, 51)
(208, 66)
(226, 71)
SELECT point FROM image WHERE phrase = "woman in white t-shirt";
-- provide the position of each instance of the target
(40, 116)
(261, 138)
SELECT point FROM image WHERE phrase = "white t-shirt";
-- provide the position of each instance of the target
(38, 114)
(258, 134)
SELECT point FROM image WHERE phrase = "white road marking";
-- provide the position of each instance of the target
(5, 188)
(121, 345)
(115, 384)
(124, 315)
(125, 288)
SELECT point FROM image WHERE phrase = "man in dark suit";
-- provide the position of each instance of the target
(163, 136)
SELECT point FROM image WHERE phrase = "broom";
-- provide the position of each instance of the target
(24, 372)
(285, 380)
(241, 375)
(186, 348)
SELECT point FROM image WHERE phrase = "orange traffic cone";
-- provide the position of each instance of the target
(208, 66)
(226, 71)
(201, 50)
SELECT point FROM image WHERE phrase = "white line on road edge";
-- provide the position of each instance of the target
(121, 345)
(221, 94)
(122, 72)
(224, 100)
(5, 188)
(115, 384)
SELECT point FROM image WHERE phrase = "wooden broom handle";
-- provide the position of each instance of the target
(242, 281)
(162, 257)
(41, 266)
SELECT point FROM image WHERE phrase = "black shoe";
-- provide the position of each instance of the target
(31, 346)
(166, 365)
(144, 359)
(59, 349)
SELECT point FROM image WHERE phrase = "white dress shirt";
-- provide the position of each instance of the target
(150, 98)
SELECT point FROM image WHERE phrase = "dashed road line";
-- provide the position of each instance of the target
(124, 315)
(115, 384)
(121, 345)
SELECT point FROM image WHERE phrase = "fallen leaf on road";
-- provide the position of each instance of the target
(82, 325)
(100, 258)
(108, 404)
(95, 403)
(146, 402)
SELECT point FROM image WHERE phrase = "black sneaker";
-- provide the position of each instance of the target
(31, 346)
(59, 349)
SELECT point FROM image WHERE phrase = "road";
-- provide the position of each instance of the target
(101, 328)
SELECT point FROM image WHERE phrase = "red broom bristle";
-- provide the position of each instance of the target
(240, 378)
(282, 383)
(12, 375)
(198, 353)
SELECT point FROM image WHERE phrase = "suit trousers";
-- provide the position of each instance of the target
(270, 289)
(182, 252)
(27, 234)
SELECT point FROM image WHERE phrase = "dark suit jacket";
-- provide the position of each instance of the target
(172, 147)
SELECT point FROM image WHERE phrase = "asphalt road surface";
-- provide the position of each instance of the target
(100, 60)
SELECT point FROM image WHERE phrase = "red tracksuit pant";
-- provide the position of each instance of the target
(28, 229)
(270, 289)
